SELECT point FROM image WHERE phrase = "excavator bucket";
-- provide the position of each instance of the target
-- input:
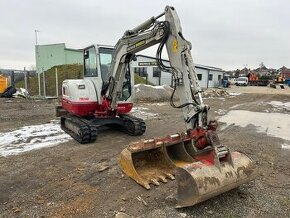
(200, 174)
(146, 163)
(203, 180)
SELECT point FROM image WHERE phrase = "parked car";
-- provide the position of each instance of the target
(242, 81)
(233, 81)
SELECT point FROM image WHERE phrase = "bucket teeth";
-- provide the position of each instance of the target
(163, 179)
(170, 176)
(155, 182)
(146, 185)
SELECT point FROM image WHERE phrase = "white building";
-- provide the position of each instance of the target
(146, 66)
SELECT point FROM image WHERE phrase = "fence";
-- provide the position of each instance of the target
(48, 83)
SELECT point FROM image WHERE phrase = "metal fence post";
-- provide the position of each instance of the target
(28, 81)
(56, 82)
(25, 79)
(39, 89)
(44, 88)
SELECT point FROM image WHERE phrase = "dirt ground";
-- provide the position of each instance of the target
(74, 180)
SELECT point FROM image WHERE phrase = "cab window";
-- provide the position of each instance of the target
(90, 65)
(105, 62)
(126, 88)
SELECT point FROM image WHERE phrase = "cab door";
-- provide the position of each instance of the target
(92, 73)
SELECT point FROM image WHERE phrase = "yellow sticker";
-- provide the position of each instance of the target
(175, 45)
(140, 43)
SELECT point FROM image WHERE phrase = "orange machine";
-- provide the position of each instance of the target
(3, 83)
(253, 77)
(254, 80)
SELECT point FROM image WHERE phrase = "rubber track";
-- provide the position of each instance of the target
(86, 133)
(139, 126)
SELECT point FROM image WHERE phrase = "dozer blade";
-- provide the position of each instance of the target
(200, 174)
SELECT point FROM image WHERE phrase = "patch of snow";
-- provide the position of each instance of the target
(237, 105)
(154, 87)
(159, 87)
(159, 104)
(221, 112)
(153, 93)
(234, 93)
(28, 138)
(273, 124)
(280, 105)
(285, 146)
(142, 112)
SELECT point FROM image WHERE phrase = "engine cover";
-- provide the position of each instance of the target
(79, 97)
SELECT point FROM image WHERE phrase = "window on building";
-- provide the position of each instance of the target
(156, 72)
(219, 77)
(141, 71)
(210, 76)
(199, 76)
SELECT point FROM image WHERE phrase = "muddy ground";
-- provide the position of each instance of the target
(73, 180)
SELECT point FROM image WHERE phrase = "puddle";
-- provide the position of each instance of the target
(273, 124)
(280, 105)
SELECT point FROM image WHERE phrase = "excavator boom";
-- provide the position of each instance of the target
(201, 164)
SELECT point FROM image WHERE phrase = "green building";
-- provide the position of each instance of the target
(51, 55)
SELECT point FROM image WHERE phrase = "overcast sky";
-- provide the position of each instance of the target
(224, 33)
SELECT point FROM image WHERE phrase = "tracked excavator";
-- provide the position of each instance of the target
(101, 99)
(201, 164)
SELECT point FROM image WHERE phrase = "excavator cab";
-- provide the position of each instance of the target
(97, 68)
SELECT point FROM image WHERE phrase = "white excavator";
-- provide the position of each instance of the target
(201, 164)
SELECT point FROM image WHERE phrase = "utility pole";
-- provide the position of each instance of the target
(36, 39)
(36, 54)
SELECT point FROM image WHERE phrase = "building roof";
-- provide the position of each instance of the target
(200, 66)
(285, 71)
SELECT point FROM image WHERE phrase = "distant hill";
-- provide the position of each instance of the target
(69, 71)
